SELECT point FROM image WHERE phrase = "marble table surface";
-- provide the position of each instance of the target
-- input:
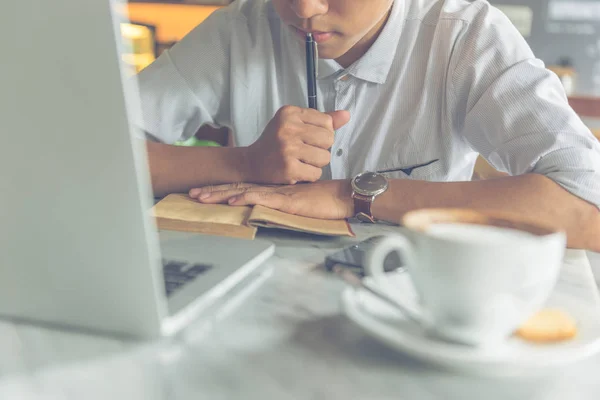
(286, 340)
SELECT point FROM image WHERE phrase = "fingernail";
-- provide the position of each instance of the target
(204, 196)
(232, 200)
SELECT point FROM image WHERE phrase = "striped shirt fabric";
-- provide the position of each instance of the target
(446, 80)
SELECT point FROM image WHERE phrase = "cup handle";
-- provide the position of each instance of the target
(374, 263)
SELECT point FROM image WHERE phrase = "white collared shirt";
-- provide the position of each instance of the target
(446, 80)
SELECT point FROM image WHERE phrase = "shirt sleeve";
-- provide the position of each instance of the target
(516, 113)
(188, 85)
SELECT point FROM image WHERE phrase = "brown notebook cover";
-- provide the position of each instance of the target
(178, 212)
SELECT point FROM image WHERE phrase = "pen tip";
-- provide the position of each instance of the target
(309, 36)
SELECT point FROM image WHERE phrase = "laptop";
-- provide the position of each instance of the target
(78, 245)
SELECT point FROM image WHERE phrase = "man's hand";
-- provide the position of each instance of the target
(294, 146)
(323, 200)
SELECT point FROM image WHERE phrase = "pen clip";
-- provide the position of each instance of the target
(316, 57)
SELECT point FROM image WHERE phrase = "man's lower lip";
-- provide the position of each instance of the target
(322, 37)
(318, 37)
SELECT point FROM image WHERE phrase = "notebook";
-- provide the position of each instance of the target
(179, 212)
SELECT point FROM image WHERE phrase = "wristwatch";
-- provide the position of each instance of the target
(365, 187)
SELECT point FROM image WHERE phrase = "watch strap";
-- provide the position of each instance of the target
(362, 207)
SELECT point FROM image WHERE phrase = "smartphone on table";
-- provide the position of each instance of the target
(353, 257)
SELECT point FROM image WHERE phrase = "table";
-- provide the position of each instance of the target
(286, 340)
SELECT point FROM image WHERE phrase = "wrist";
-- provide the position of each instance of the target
(377, 206)
(241, 160)
(394, 202)
(345, 196)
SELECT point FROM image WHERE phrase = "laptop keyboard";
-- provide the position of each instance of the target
(179, 273)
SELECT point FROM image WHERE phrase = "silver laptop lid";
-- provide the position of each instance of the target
(75, 242)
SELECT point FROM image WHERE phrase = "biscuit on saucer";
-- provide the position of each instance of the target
(548, 325)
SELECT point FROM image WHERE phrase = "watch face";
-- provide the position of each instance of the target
(370, 183)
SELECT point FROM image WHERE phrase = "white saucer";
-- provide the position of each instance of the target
(514, 356)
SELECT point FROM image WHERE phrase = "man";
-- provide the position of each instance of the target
(413, 89)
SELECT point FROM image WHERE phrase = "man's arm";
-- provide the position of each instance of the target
(292, 148)
(174, 169)
(531, 196)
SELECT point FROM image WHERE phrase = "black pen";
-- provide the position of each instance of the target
(311, 70)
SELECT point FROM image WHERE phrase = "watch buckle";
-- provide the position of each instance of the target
(363, 217)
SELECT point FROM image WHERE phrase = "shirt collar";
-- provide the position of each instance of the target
(374, 65)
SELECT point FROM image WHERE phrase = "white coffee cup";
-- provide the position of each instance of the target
(478, 275)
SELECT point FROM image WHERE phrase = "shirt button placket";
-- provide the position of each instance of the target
(344, 100)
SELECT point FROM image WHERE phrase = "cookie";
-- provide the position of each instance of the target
(549, 325)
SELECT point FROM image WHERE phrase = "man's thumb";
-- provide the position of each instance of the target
(340, 118)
